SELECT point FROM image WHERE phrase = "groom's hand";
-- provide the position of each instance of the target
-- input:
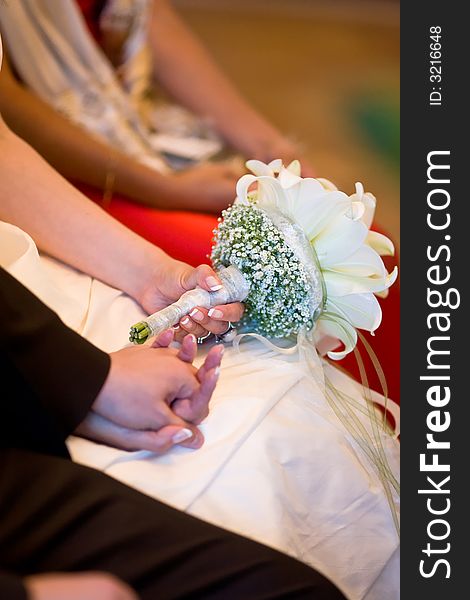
(88, 585)
(153, 397)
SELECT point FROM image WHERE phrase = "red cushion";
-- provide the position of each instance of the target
(186, 236)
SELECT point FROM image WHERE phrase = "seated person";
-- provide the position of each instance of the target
(59, 517)
(277, 464)
(98, 131)
(94, 145)
(67, 531)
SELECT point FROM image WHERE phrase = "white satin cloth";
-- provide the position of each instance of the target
(277, 465)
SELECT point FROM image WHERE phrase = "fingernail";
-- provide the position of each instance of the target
(181, 436)
(213, 283)
(176, 327)
(215, 313)
(192, 337)
(196, 314)
(187, 322)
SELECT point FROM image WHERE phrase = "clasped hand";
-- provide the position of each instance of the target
(170, 280)
(153, 397)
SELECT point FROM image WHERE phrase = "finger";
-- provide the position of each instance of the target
(194, 442)
(231, 175)
(196, 411)
(166, 438)
(227, 312)
(234, 167)
(164, 339)
(203, 276)
(100, 429)
(201, 316)
(185, 381)
(307, 169)
(190, 326)
(180, 334)
(207, 278)
(212, 361)
(196, 408)
(188, 350)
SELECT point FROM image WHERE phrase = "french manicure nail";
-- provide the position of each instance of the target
(196, 314)
(215, 313)
(181, 436)
(186, 322)
(213, 283)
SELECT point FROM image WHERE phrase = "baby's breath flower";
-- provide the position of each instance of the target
(279, 301)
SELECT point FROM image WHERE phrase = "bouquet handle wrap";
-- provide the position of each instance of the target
(235, 288)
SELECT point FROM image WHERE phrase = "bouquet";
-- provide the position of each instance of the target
(300, 254)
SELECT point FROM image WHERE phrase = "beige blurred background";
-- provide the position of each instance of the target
(327, 73)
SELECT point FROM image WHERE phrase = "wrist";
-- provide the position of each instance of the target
(273, 147)
(149, 274)
(142, 183)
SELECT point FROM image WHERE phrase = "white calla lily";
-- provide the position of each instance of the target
(294, 167)
(337, 227)
(383, 294)
(314, 211)
(356, 211)
(368, 200)
(276, 165)
(361, 309)
(338, 240)
(364, 262)
(342, 284)
(327, 184)
(340, 328)
(380, 243)
(290, 176)
(259, 168)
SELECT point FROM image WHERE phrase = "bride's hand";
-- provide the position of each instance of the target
(209, 187)
(160, 423)
(286, 150)
(171, 279)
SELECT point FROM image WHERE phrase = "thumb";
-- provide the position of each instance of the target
(171, 435)
(207, 278)
(102, 430)
(164, 339)
(163, 439)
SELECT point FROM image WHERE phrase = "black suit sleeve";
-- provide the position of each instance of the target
(11, 587)
(50, 376)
